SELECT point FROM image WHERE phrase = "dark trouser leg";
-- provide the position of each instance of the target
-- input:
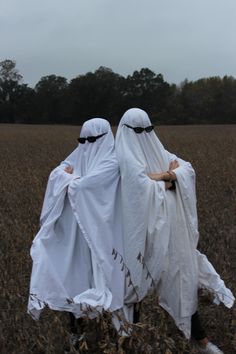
(197, 332)
(136, 314)
(76, 324)
(73, 323)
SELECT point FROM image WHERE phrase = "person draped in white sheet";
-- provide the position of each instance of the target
(73, 266)
(160, 225)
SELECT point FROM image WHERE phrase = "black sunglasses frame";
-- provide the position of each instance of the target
(139, 130)
(90, 139)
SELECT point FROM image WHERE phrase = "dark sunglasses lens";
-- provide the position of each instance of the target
(149, 129)
(81, 140)
(138, 130)
(91, 139)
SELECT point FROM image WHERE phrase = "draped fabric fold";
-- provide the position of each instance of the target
(161, 226)
(73, 267)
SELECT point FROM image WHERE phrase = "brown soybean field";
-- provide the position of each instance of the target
(27, 155)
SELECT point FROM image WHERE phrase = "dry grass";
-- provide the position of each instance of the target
(27, 155)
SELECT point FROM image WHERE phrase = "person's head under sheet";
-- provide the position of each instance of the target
(140, 146)
(96, 144)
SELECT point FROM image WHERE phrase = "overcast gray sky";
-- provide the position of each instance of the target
(178, 38)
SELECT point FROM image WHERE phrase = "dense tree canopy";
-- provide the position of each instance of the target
(104, 93)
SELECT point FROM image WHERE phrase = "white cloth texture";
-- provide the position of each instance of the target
(161, 226)
(73, 266)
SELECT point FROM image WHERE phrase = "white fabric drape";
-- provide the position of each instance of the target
(73, 266)
(160, 226)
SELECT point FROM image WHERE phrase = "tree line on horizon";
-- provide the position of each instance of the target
(104, 93)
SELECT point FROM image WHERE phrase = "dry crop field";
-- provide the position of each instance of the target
(27, 155)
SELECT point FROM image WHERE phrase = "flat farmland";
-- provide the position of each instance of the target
(27, 155)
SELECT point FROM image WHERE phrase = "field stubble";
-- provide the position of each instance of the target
(27, 155)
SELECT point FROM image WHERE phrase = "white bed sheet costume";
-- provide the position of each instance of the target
(161, 226)
(73, 266)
